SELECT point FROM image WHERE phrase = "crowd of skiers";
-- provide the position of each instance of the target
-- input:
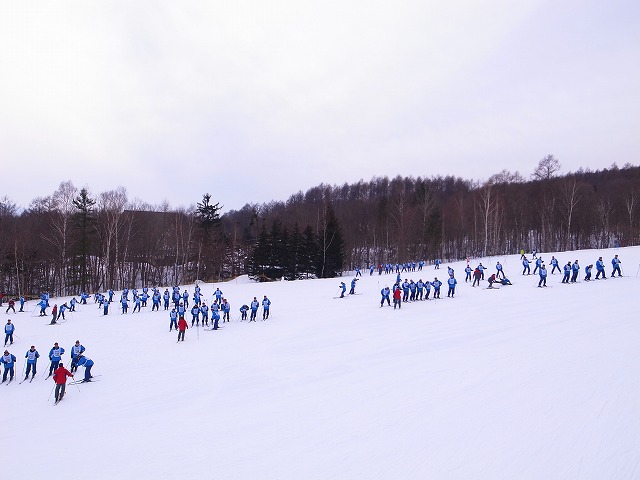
(409, 291)
(57, 369)
(570, 271)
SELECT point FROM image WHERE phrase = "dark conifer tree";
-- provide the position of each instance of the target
(84, 221)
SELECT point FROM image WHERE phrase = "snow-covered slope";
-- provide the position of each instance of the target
(516, 383)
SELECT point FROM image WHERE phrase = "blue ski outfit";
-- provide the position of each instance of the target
(353, 286)
(226, 309)
(587, 272)
(215, 318)
(243, 311)
(8, 360)
(543, 276)
(567, 272)
(575, 269)
(600, 269)
(436, 287)
(254, 309)
(55, 355)
(452, 286)
(343, 287)
(616, 266)
(87, 363)
(76, 351)
(266, 303)
(32, 357)
(499, 270)
(204, 309)
(525, 263)
(8, 333)
(385, 292)
(173, 316)
(554, 265)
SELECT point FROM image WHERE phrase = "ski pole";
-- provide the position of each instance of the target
(24, 367)
(52, 389)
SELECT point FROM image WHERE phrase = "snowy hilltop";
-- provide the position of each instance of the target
(514, 382)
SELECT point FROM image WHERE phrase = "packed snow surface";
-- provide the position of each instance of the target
(518, 382)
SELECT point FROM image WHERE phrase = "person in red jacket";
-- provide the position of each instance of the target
(60, 377)
(397, 296)
(182, 327)
(54, 314)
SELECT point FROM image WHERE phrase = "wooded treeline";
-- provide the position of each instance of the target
(72, 240)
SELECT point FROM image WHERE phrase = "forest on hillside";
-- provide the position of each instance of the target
(72, 241)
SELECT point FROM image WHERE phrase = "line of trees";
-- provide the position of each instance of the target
(72, 240)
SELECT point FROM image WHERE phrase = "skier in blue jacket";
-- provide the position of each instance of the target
(600, 269)
(452, 286)
(575, 269)
(254, 309)
(343, 289)
(55, 355)
(32, 357)
(567, 273)
(587, 272)
(353, 286)
(525, 264)
(554, 265)
(542, 271)
(87, 363)
(173, 317)
(76, 350)
(436, 287)
(385, 292)
(8, 360)
(615, 261)
(266, 303)
(8, 332)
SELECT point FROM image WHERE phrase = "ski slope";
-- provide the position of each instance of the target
(514, 383)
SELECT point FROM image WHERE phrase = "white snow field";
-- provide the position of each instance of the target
(514, 383)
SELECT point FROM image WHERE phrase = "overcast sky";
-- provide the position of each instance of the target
(254, 100)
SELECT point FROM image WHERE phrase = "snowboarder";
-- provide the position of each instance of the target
(32, 357)
(9, 328)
